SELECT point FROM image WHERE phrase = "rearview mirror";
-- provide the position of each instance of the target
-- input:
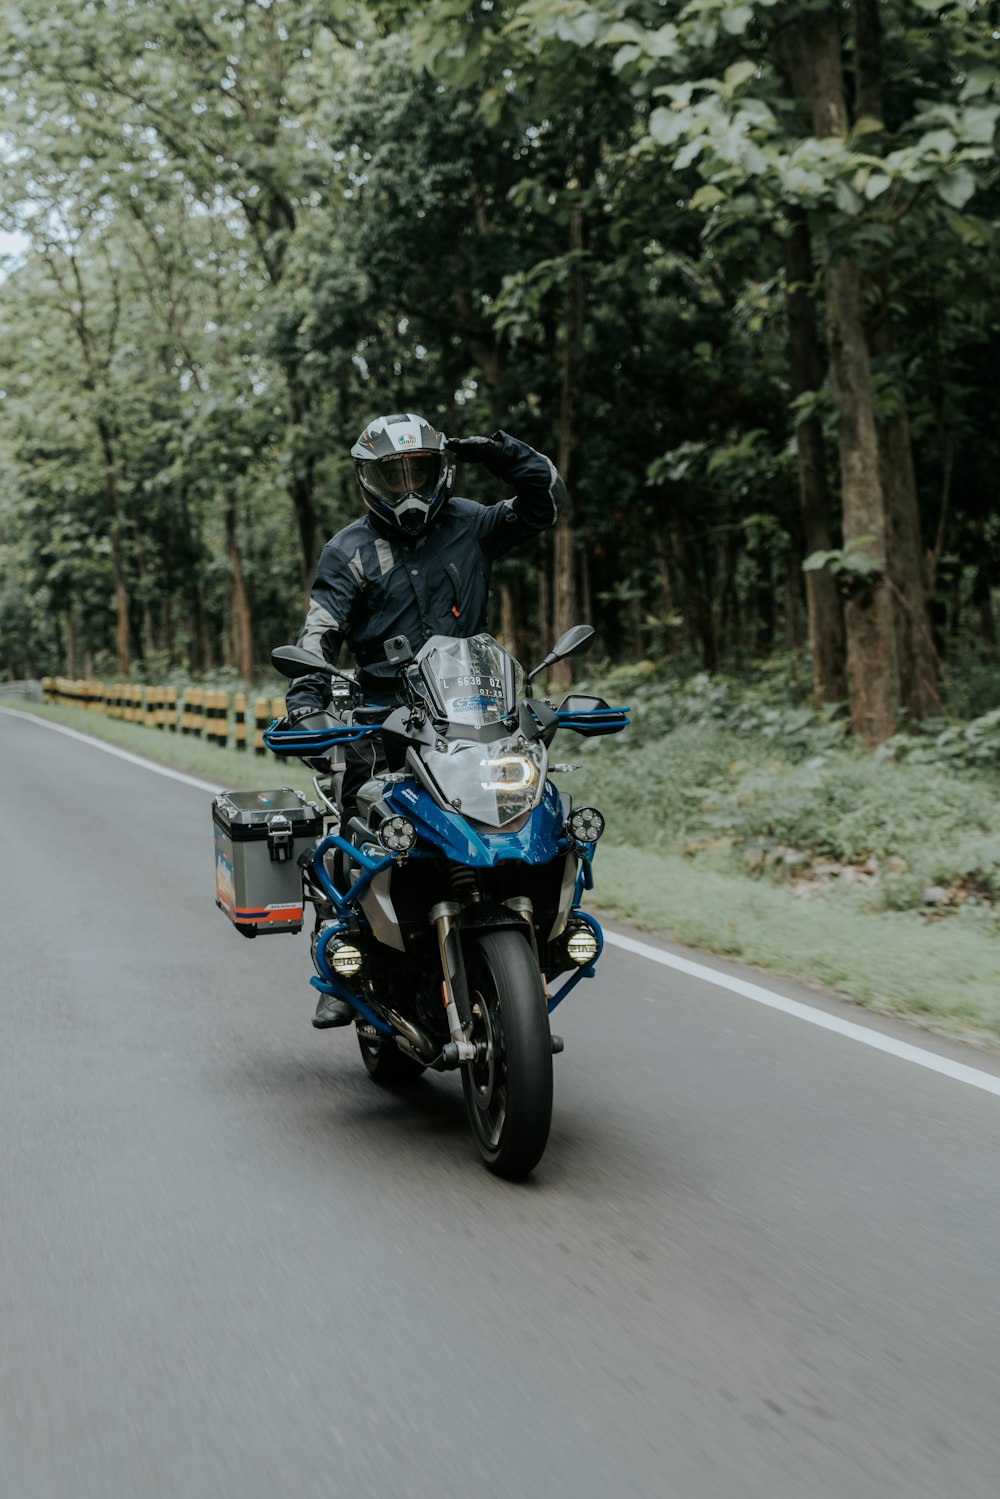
(292, 661)
(574, 642)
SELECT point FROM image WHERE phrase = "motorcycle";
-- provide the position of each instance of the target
(449, 906)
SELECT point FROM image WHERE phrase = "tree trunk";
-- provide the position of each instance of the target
(810, 49)
(916, 661)
(301, 495)
(916, 658)
(697, 605)
(546, 638)
(765, 603)
(982, 594)
(586, 589)
(565, 605)
(793, 598)
(300, 482)
(729, 633)
(508, 628)
(240, 622)
(982, 598)
(823, 605)
(867, 59)
(148, 636)
(667, 604)
(867, 616)
(635, 627)
(122, 650)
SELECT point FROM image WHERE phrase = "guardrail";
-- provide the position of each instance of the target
(30, 690)
(226, 719)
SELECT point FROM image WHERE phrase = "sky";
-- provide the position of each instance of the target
(12, 244)
(12, 247)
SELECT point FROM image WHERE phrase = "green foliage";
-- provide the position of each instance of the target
(250, 227)
(852, 564)
(751, 780)
(965, 746)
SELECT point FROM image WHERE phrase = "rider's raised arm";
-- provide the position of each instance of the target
(537, 484)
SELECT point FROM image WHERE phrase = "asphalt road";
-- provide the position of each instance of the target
(757, 1260)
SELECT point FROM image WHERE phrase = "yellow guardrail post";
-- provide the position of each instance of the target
(240, 720)
(217, 718)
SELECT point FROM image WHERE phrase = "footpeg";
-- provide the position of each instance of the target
(557, 1045)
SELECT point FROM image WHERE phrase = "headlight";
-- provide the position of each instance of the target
(586, 824)
(397, 834)
(344, 959)
(509, 773)
(581, 945)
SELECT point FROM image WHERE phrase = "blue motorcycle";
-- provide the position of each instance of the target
(448, 909)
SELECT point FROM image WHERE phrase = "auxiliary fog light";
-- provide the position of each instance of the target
(344, 959)
(397, 834)
(582, 945)
(586, 824)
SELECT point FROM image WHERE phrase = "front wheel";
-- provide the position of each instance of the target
(508, 1090)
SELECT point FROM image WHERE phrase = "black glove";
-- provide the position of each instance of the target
(475, 449)
(304, 710)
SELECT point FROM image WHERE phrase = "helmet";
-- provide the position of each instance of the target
(404, 471)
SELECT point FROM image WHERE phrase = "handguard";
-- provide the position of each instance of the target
(594, 721)
(285, 739)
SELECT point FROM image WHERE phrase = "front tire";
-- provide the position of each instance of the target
(386, 1063)
(508, 1091)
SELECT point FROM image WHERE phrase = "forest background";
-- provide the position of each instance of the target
(735, 266)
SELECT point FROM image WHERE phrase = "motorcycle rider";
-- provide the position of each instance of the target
(417, 564)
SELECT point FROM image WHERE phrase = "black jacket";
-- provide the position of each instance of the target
(373, 582)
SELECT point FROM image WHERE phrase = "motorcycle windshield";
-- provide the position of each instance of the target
(493, 783)
(473, 681)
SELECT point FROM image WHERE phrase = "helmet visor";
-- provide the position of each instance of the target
(393, 479)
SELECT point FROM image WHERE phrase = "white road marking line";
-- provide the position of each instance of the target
(114, 749)
(827, 1022)
(958, 1071)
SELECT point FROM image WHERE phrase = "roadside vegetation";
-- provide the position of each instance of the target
(747, 822)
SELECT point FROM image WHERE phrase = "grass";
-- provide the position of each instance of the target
(942, 975)
(782, 849)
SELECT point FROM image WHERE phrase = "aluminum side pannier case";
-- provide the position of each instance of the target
(259, 838)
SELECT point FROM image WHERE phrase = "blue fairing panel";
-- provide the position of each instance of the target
(536, 843)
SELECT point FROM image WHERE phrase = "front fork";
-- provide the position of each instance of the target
(454, 984)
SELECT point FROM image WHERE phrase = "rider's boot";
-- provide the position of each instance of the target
(331, 1012)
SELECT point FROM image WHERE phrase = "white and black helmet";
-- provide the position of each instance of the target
(404, 470)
